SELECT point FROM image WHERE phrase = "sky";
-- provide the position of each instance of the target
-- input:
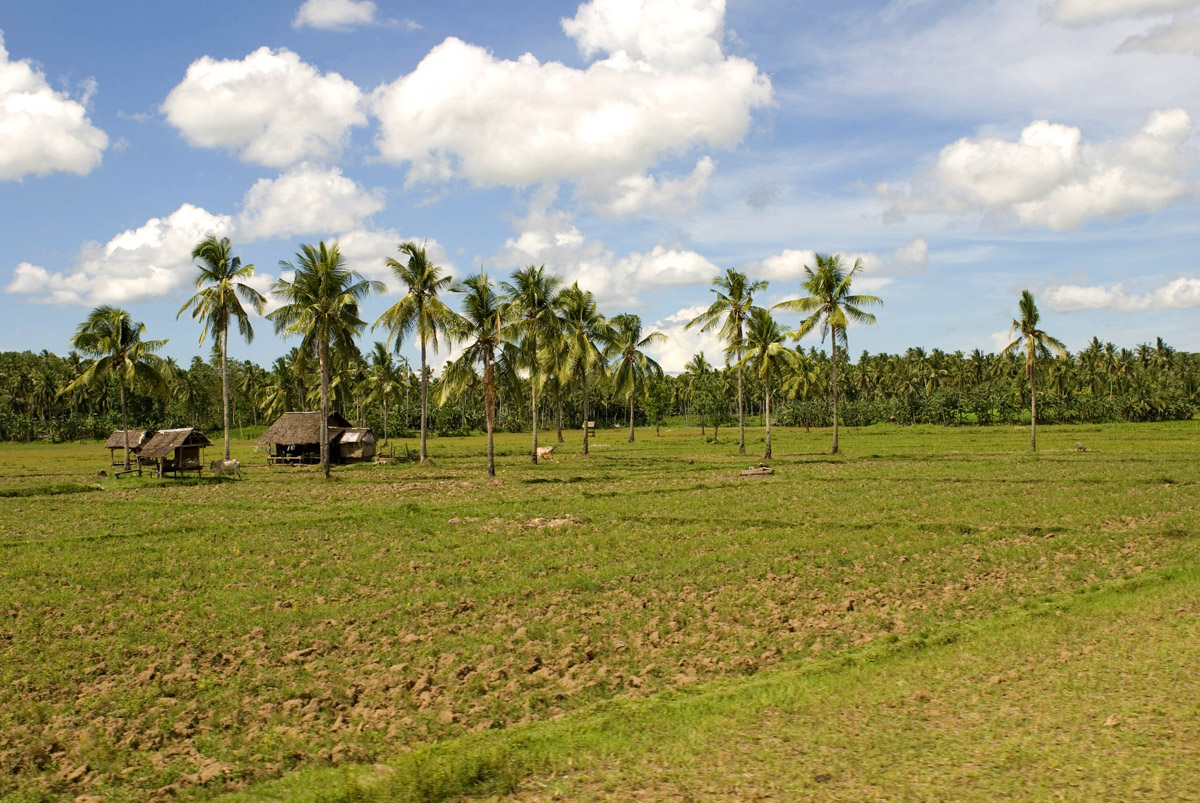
(961, 150)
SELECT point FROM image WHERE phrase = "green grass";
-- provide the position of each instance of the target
(196, 638)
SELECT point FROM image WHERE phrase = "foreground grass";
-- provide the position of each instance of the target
(162, 638)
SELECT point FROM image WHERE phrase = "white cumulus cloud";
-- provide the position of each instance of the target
(1181, 293)
(305, 199)
(270, 107)
(1049, 177)
(335, 15)
(41, 130)
(1180, 35)
(642, 193)
(154, 261)
(663, 89)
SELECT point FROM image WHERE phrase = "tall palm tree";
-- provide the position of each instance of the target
(322, 307)
(382, 381)
(530, 296)
(830, 306)
(585, 334)
(420, 310)
(222, 289)
(631, 365)
(1036, 343)
(115, 341)
(735, 299)
(766, 354)
(481, 326)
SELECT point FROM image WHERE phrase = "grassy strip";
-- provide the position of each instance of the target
(46, 489)
(667, 743)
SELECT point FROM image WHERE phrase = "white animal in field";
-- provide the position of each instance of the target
(545, 453)
(220, 467)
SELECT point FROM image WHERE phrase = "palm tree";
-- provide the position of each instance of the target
(830, 305)
(419, 310)
(115, 341)
(585, 334)
(481, 326)
(632, 366)
(1036, 343)
(530, 296)
(322, 307)
(221, 292)
(766, 355)
(382, 381)
(735, 299)
(696, 367)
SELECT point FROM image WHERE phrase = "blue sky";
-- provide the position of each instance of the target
(962, 150)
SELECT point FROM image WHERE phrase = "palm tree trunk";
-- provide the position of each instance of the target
(323, 359)
(489, 404)
(533, 411)
(424, 403)
(833, 376)
(767, 410)
(224, 335)
(741, 401)
(585, 413)
(559, 404)
(1032, 403)
(124, 419)
(385, 423)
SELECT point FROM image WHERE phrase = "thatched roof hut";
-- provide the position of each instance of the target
(137, 438)
(296, 437)
(175, 450)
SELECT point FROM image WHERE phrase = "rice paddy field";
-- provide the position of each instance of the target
(932, 614)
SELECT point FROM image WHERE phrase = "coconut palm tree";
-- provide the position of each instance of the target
(530, 296)
(322, 307)
(631, 366)
(735, 299)
(585, 335)
(1036, 343)
(766, 355)
(222, 290)
(830, 306)
(420, 310)
(382, 381)
(115, 341)
(481, 326)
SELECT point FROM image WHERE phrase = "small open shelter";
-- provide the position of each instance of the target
(116, 443)
(295, 439)
(175, 450)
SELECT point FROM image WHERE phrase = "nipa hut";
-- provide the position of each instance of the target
(116, 442)
(175, 450)
(295, 439)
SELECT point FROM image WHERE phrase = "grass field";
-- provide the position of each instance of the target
(638, 622)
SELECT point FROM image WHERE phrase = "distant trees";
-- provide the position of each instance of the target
(631, 365)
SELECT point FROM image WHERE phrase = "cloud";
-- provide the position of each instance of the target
(335, 15)
(150, 262)
(306, 199)
(663, 89)
(367, 252)
(270, 107)
(1050, 178)
(549, 236)
(43, 131)
(154, 261)
(1181, 293)
(682, 344)
(1181, 35)
(677, 33)
(643, 194)
(1079, 12)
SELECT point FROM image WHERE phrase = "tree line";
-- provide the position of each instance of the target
(535, 350)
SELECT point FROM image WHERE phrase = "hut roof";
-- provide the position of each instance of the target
(168, 440)
(136, 438)
(357, 435)
(294, 429)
